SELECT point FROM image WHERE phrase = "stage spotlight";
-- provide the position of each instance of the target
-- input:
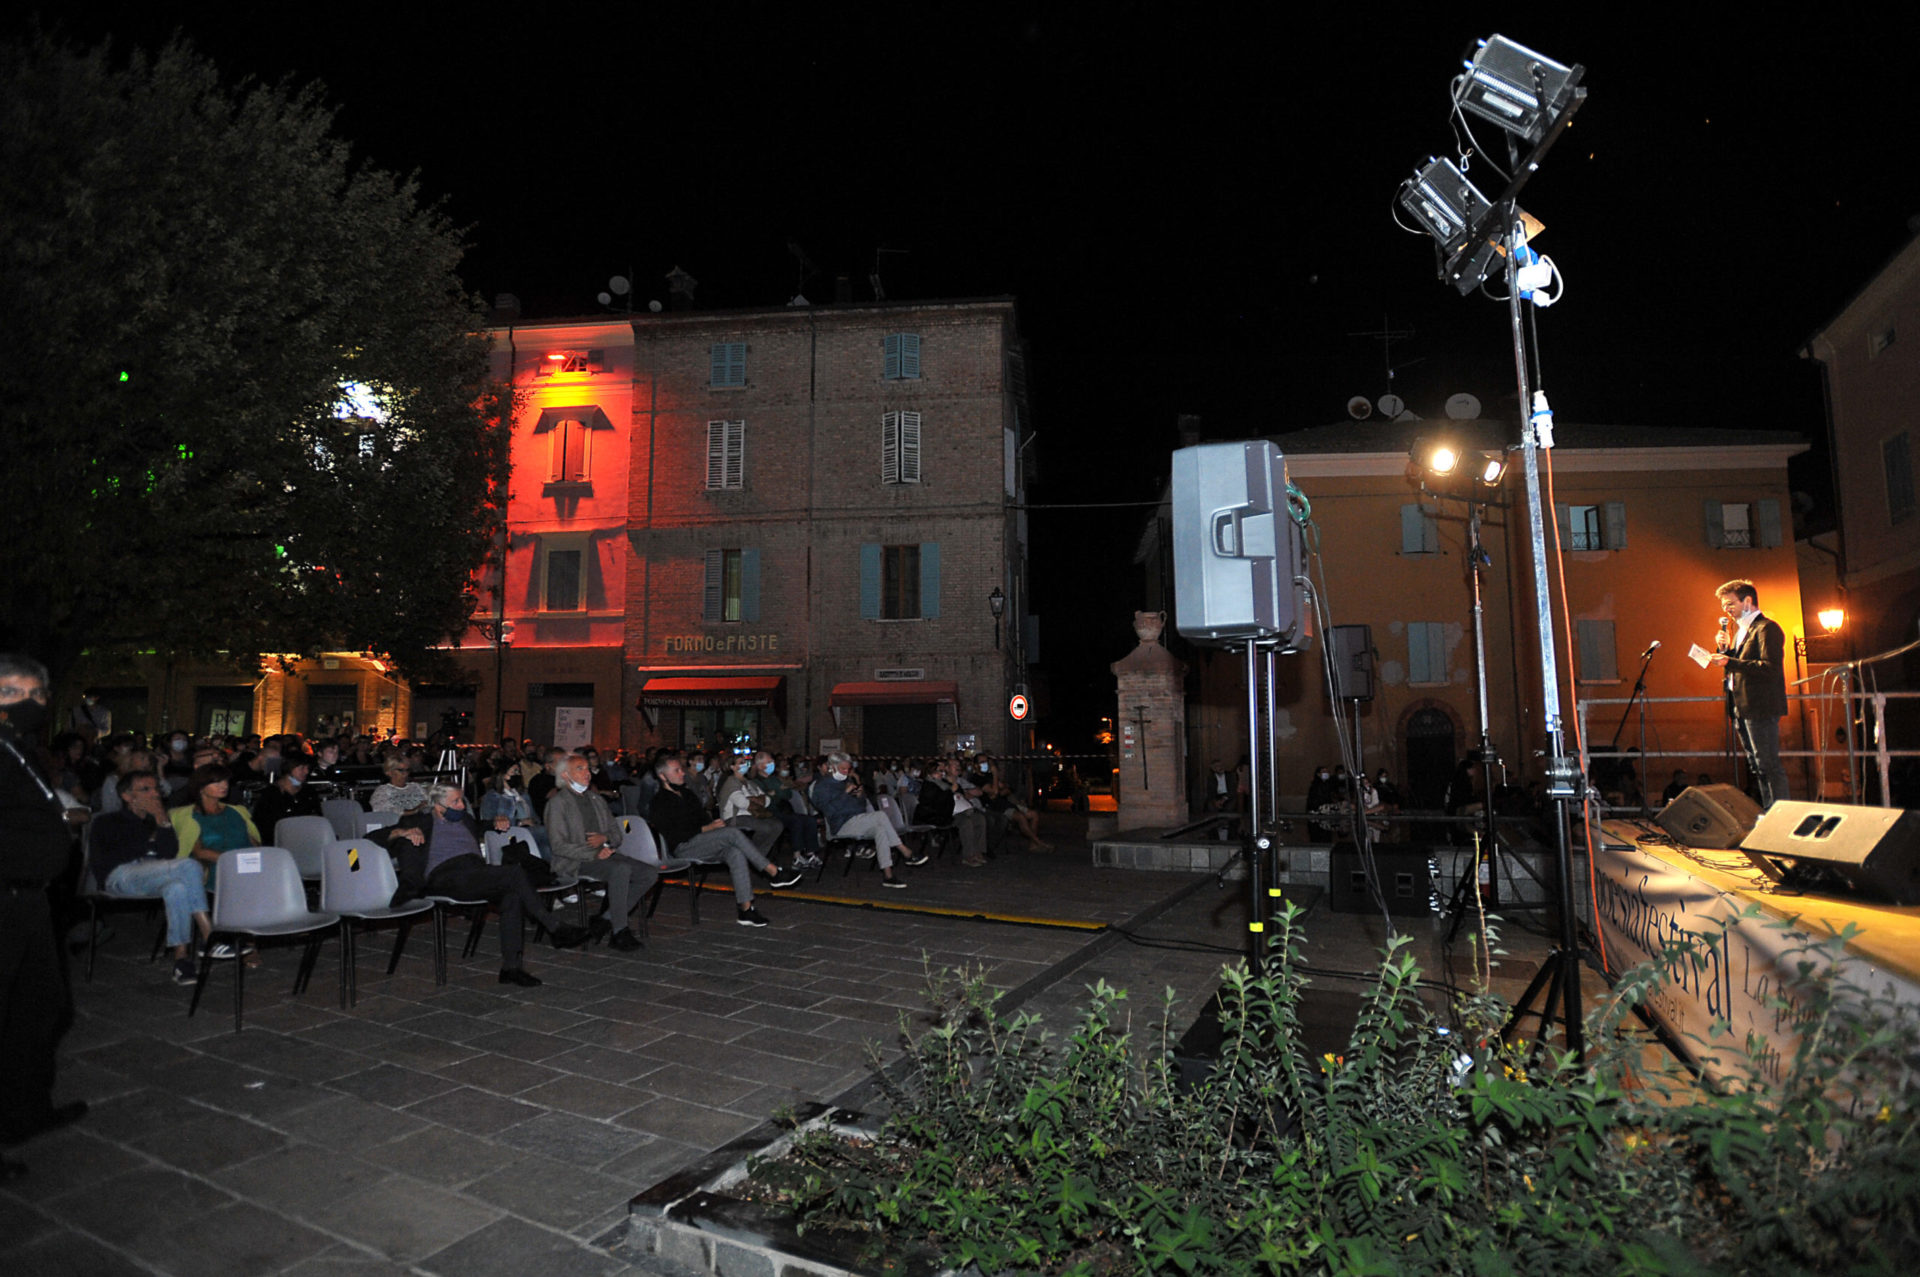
(1445, 203)
(1490, 466)
(1436, 456)
(1509, 84)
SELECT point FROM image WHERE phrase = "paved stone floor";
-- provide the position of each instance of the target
(479, 1129)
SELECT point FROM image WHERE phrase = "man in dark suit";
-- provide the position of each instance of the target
(1753, 655)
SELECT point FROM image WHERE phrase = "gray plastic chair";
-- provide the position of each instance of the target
(357, 882)
(368, 821)
(306, 837)
(637, 835)
(344, 815)
(95, 893)
(257, 892)
(935, 836)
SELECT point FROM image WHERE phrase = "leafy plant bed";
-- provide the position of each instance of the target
(1423, 1147)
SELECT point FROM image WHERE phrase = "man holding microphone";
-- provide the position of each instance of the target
(1753, 655)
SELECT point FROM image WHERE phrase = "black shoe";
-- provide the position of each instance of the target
(748, 916)
(892, 881)
(569, 935)
(519, 976)
(915, 861)
(625, 941)
(599, 929)
(788, 878)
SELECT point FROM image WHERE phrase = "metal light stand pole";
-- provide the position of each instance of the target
(1559, 976)
(1489, 757)
(1251, 836)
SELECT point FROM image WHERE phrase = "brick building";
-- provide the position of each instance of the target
(1650, 521)
(786, 526)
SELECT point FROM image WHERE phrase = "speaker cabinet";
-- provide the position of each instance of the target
(1875, 849)
(1716, 816)
(1406, 880)
(1236, 548)
(1350, 652)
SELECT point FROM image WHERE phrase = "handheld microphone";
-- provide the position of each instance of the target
(1651, 649)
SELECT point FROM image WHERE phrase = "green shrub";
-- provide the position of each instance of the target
(1015, 1153)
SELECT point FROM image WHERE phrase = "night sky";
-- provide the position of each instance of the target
(1192, 203)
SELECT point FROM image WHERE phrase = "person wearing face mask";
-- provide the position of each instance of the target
(437, 852)
(744, 806)
(837, 797)
(803, 831)
(679, 822)
(34, 842)
(587, 842)
(1321, 793)
(288, 796)
(699, 781)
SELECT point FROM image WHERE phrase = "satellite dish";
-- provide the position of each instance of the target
(1391, 406)
(1463, 407)
(619, 286)
(1359, 408)
(655, 306)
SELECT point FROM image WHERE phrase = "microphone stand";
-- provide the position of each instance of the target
(1639, 697)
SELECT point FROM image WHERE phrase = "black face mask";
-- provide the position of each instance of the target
(27, 716)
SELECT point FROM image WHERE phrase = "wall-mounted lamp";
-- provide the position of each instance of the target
(997, 604)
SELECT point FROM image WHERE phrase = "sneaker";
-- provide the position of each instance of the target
(915, 861)
(898, 884)
(748, 916)
(864, 851)
(224, 952)
(183, 972)
(784, 879)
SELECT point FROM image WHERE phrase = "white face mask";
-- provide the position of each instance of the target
(576, 786)
(699, 766)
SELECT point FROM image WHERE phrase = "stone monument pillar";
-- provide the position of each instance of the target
(1152, 729)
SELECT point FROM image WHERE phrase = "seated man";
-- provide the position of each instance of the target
(836, 796)
(944, 804)
(586, 843)
(803, 831)
(743, 804)
(135, 852)
(439, 854)
(678, 818)
(287, 796)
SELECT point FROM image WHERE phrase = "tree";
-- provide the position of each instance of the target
(243, 395)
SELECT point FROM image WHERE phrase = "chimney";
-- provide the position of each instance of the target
(1189, 429)
(842, 289)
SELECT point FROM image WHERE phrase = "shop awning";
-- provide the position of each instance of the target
(700, 693)
(917, 692)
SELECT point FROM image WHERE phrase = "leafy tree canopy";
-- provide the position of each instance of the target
(245, 403)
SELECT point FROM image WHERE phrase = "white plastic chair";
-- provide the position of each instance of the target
(306, 837)
(357, 882)
(258, 892)
(344, 815)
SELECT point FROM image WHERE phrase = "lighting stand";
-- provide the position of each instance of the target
(1559, 977)
(1262, 774)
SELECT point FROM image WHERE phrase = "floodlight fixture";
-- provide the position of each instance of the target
(1512, 86)
(1831, 619)
(1447, 206)
(1489, 467)
(1436, 456)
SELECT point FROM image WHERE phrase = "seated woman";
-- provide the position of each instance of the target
(999, 797)
(209, 824)
(399, 795)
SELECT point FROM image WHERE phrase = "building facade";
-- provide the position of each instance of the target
(788, 527)
(1649, 522)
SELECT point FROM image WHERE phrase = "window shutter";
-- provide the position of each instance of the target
(1616, 525)
(1768, 512)
(929, 579)
(889, 447)
(910, 355)
(1598, 661)
(1416, 531)
(736, 472)
(727, 363)
(1563, 520)
(712, 600)
(1419, 658)
(909, 447)
(890, 364)
(1716, 525)
(870, 581)
(557, 452)
(716, 454)
(749, 585)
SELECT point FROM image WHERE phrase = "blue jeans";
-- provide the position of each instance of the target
(180, 884)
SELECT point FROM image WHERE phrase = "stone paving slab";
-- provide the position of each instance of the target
(480, 1129)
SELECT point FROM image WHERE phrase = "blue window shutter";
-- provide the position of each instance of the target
(870, 581)
(910, 356)
(1716, 525)
(891, 365)
(1616, 524)
(711, 601)
(1419, 659)
(1767, 510)
(749, 585)
(929, 579)
(1412, 538)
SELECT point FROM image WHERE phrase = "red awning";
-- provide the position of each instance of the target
(917, 692)
(698, 693)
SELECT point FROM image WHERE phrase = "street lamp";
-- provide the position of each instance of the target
(1831, 619)
(997, 604)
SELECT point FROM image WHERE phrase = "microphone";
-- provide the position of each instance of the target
(1651, 649)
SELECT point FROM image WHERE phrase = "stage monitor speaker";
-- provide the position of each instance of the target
(1715, 816)
(1406, 880)
(1237, 553)
(1876, 849)
(1350, 650)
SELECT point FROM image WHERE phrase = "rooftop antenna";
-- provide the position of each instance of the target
(879, 289)
(1386, 335)
(805, 267)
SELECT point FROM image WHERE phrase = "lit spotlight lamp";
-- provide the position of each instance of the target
(1831, 619)
(1512, 86)
(1436, 456)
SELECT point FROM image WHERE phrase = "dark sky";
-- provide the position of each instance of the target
(1192, 203)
